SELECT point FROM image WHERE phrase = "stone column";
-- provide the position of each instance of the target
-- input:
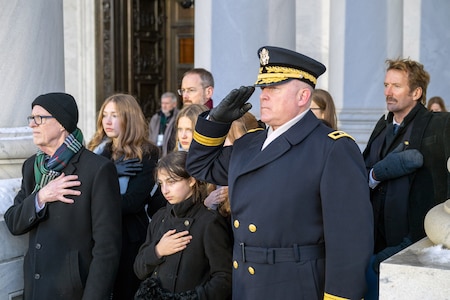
(31, 56)
(32, 63)
(227, 37)
(352, 38)
(79, 60)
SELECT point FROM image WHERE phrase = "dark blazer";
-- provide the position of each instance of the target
(74, 248)
(304, 196)
(407, 199)
(204, 266)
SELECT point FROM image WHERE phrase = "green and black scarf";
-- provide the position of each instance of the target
(47, 168)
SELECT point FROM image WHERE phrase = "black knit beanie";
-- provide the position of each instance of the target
(61, 106)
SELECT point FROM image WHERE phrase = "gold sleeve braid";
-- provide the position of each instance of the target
(327, 296)
(208, 141)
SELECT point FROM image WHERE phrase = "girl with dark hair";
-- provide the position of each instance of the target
(188, 249)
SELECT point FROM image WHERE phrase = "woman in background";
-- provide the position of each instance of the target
(185, 125)
(436, 104)
(122, 136)
(322, 105)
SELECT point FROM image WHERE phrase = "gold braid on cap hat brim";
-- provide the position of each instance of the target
(277, 74)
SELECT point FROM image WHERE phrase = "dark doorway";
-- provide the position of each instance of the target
(143, 48)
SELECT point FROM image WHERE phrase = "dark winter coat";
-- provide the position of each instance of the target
(400, 204)
(74, 248)
(204, 266)
(134, 222)
(300, 209)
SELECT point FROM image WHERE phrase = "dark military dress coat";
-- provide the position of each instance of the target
(74, 249)
(301, 215)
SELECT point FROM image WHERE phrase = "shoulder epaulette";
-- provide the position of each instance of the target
(339, 134)
(254, 129)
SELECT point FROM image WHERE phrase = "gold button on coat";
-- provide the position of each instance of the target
(236, 224)
(235, 264)
(251, 270)
(252, 227)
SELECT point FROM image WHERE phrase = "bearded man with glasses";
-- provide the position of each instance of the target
(197, 87)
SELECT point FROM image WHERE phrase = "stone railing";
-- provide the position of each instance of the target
(16, 144)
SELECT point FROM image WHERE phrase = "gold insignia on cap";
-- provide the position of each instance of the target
(264, 57)
(277, 74)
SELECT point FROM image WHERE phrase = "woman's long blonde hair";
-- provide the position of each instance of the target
(191, 112)
(325, 102)
(133, 140)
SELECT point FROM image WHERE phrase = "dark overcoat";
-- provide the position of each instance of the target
(134, 221)
(74, 248)
(407, 199)
(300, 209)
(204, 266)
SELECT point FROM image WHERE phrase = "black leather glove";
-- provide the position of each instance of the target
(188, 295)
(398, 163)
(233, 106)
(388, 252)
(150, 289)
(128, 167)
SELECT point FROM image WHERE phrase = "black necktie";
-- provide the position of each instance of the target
(396, 126)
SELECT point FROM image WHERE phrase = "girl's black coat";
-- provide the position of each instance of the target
(204, 266)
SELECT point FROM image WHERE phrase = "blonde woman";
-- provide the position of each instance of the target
(322, 105)
(122, 136)
(185, 125)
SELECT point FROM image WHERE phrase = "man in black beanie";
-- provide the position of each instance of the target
(69, 204)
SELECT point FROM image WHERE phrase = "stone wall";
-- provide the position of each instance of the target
(16, 144)
(12, 248)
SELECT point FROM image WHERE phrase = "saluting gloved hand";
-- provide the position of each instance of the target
(397, 163)
(233, 106)
(128, 167)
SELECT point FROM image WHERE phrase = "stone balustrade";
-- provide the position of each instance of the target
(16, 144)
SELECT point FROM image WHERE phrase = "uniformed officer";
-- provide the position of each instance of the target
(301, 216)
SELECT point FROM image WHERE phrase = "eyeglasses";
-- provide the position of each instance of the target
(187, 91)
(38, 119)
